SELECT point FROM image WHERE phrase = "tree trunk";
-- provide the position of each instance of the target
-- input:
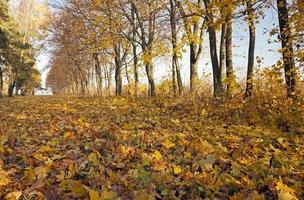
(193, 67)
(98, 73)
(174, 86)
(217, 82)
(1, 82)
(288, 54)
(17, 88)
(222, 49)
(110, 74)
(179, 78)
(229, 64)
(134, 48)
(118, 71)
(82, 85)
(128, 78)
(149, 71)
(135, 66)
(176, 78)
(192, 30)
(251, 50)
(11, 88)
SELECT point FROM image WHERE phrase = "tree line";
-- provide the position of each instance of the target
(20, 29)
(100, 42)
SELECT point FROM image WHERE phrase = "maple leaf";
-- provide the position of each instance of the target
(177, 170)
(13, 195)
(168, 144)
(156, 155)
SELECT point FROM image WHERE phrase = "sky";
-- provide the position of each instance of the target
(265, 50)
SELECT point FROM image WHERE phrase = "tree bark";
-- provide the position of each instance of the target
(118, 70)
(287, 46)
(11, 88)
(192, 30)
(229, 64)
(149, 71)
(217, 82)
(176, 77)
(222, 48)
(193, 67)
(134, 49)
(1, 82)
(174, 84)
(147, 39)
(110, 75)
(98, 73)
(251, 50)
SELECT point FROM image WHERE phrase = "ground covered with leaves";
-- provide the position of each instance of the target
(127, 148)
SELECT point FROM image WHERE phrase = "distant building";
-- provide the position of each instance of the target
(47, 91)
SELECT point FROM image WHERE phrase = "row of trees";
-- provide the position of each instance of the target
(19, 31)
(96, 39)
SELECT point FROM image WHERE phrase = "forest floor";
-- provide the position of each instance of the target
(127, 148)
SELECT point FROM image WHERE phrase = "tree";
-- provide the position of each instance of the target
(217, 79)
(229, 64)
(176, 74)
(287, 47)
(194, 26)
(251, 49)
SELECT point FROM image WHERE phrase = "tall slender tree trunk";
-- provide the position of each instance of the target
(251, 50)
(134, 49)
(192, 30)
(176, 77)
(287, 46)
(174, 84)
(82, 85)
(1, 82)
(217, 81)
(135, 67)
(193, 67)
(17, 87)
(118, 71)
(11, 87)
(98, 73)
(128, 78)
(222, 49)
(229, 64)
(149, 71)
(110, 75)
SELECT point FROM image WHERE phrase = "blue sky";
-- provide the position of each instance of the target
(264, 50)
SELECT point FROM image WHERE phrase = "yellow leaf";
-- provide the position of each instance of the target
(67, 135)
(168, 144)
(285, 192)
(282, 142)
(94, 195)
(142, 195)
(108, 195)
(45, 149)
(93, 158)
(157, 155)
(284, 195)
(1, 148)
(77, 188)
(281, 186)
(13, 195)
(41, 172)
(4, 180)
(177, 170)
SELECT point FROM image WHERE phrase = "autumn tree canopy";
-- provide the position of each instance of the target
(120, 42)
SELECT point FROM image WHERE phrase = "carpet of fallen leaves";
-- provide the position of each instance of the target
(126, 148)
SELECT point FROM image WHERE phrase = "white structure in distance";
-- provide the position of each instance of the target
(47, 91)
